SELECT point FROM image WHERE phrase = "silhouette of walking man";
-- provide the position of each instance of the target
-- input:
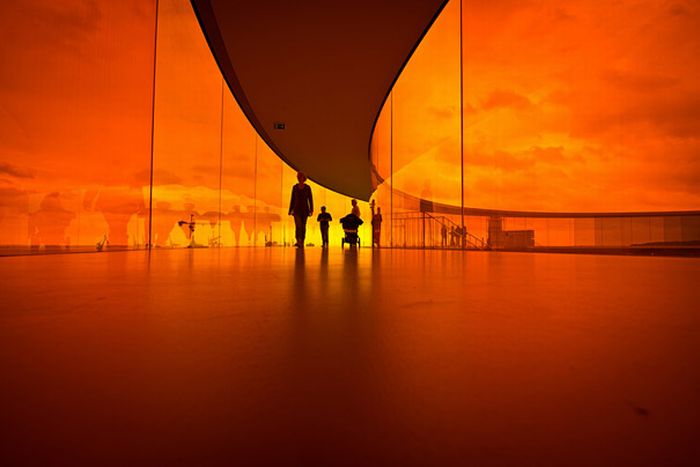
(301, 206)
(323, 219)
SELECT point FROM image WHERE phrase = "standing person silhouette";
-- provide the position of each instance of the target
(323, 219)
(376, 225)
(301, 206)
(355, 208)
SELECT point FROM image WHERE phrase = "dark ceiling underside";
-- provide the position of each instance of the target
(322, 69)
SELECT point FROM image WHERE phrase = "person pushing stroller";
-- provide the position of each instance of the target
(351, 224)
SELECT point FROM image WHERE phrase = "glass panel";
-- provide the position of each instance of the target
(75, 89)
(187, 133)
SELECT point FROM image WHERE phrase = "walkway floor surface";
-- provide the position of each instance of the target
(406, 357)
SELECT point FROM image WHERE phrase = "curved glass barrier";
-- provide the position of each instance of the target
(569, 115)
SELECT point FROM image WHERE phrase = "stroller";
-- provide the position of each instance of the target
(350, 225)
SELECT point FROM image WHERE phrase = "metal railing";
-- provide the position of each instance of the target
(426, 230)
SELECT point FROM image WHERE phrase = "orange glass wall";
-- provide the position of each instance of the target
(567, 107)
(75, 92)
(75, 154)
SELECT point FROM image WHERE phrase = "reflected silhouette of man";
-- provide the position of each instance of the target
(235, 218)
(301, 206)
(48, 225)
(164, 219)
(118, 205)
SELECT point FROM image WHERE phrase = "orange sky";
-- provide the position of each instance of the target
(568, 106)
(75, 88)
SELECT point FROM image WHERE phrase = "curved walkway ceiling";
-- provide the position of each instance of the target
(321, 69)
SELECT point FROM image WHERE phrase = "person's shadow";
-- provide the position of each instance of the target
(351, 276)
(299, 280)
(323, 276)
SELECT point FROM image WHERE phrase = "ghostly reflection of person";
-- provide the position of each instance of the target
(164, 219)
(301, 206)
(235, 218)
(249, 217)
(118, 205)
(48, 225)
(265, 220)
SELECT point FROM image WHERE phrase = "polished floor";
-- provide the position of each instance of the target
(405, 357)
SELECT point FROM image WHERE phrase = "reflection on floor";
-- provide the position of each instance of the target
(278, 357)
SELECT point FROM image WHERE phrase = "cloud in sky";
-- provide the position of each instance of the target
(12, 170)
(505, 99)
